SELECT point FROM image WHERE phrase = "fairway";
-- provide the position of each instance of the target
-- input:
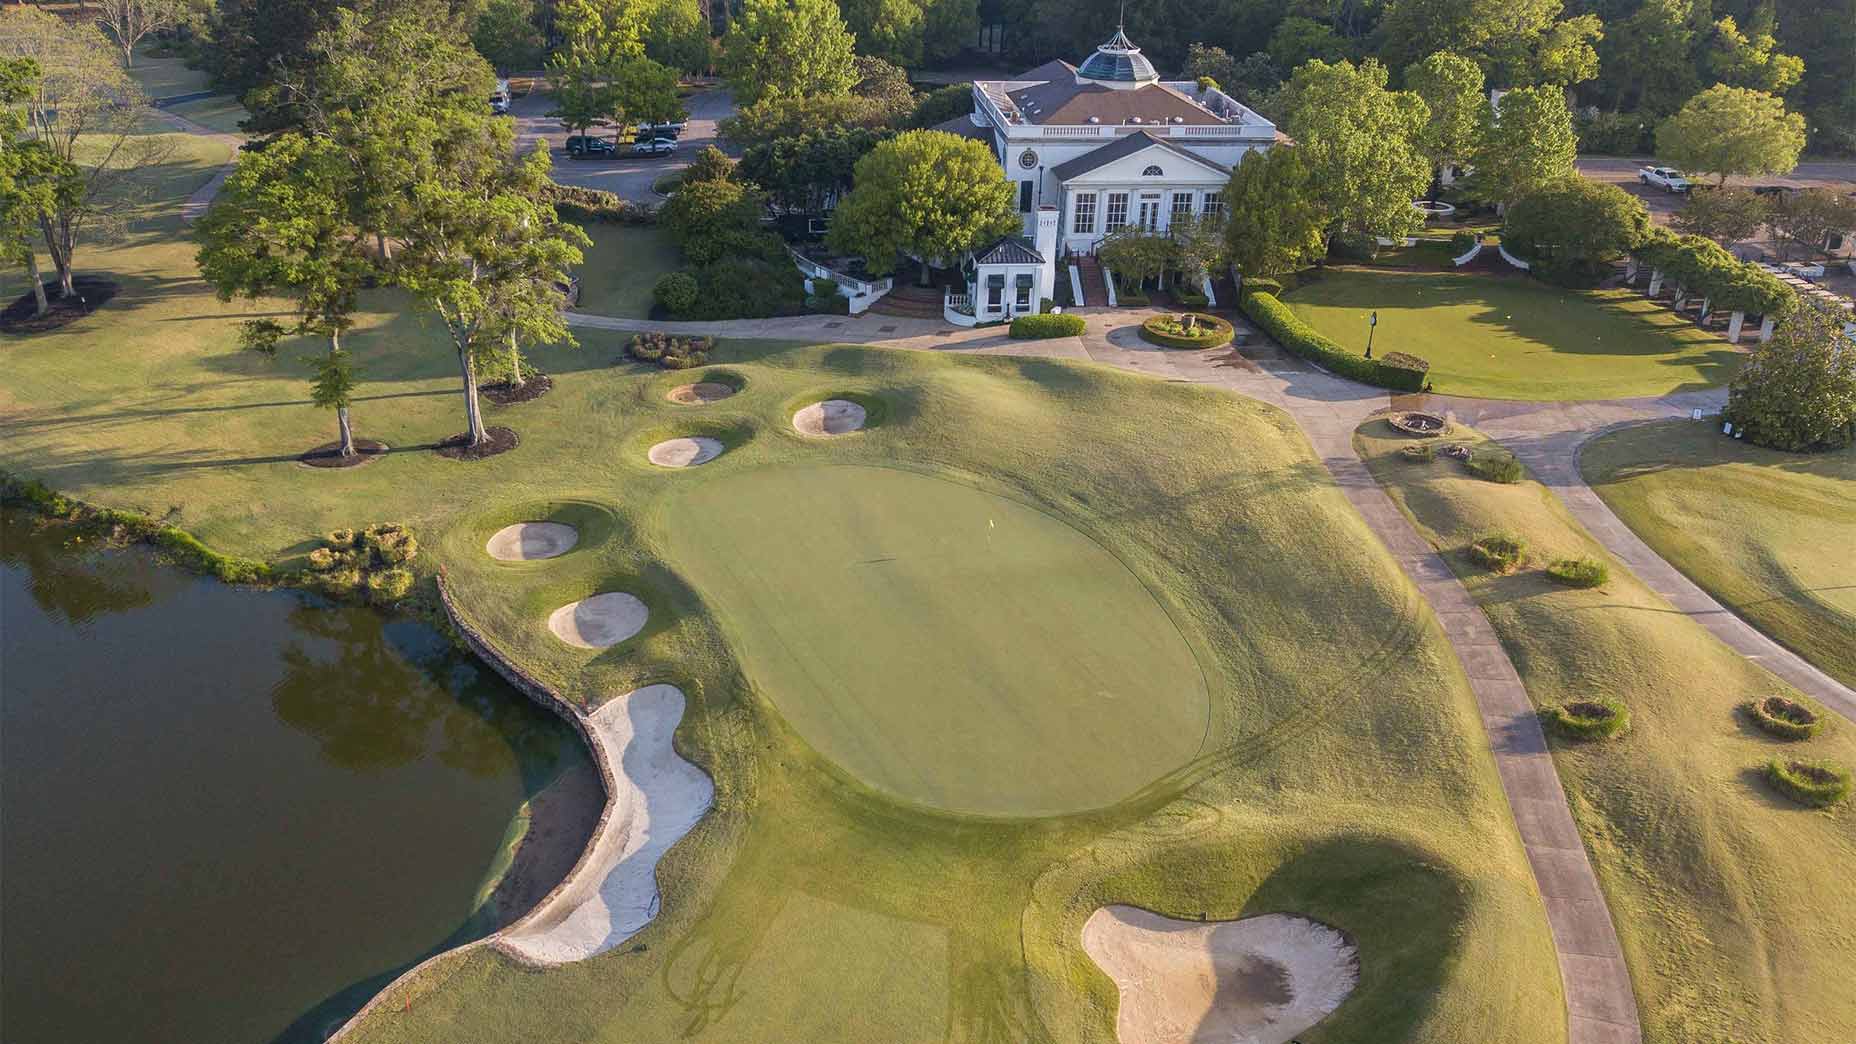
(949, 646)
(1516, 338)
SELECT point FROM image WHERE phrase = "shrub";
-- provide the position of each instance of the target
(836, 304)
(340, 539)
(676, 291)
(1421, 452)
(1798, 391)
(1034, 327)
(711, 164)
(396, 547)
(339, 582)
(741, 287)
(706, 218)
(1135, 299)
(322, 560)
(1354, 246)
(1461, 242)
(1786, 719)
(1498, 552)
(671, 353)
(1579, 572)
(822, 287)
(1193, 299)
(1262, 285)
(1405, 373)
(1819, 784)
(389, 585)
(1588, 719)
(580, 204)
(1494, 465)
(1171, 331)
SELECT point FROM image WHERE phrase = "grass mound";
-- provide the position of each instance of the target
(1499, 552)
(1583, 571)
(1786, 719)
(1588, 719)
(1818, 784)
(1173, 331)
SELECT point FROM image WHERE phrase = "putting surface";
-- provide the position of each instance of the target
(946, 645)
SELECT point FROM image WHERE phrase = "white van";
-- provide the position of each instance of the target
(499, 102)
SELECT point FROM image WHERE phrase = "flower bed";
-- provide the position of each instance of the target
(1818, 784)
(1786, 719)
(1590, 719)
(1187, 330)
(1424, 425)
(1498, 552)
(672, 353)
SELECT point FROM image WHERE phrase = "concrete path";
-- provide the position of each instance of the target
(202, 197)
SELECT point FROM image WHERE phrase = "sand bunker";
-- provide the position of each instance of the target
(685, 453)
(657, 798)
(531, 541)
(700, 394)
(831, 417)
(1260, 980)
(599, 621)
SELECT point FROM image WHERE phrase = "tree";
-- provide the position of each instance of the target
(282, 225)
(677, 35)
(506, 35)
(1644, 59)
(1798, 391)
(1360, 142)
(1203, 60)
(1725, 215)
(1739, 60)
(1298, 39)
(1273, 220)
(1809, 218)
(1135, 255)
(129, 21)
(771, 119)
(925, 193)
(32, 178)
(890, 30)
(1451, 86)
(643, 91)
(808, 172)
(1198, 246)
(1515, 41)
(711, 164)
(948, 28)
(1530, 144)
(711, 218)
(787, 48)
(940, 105)
(1572, 229)
(1732, 130)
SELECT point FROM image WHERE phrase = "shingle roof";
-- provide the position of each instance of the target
(964, 127)
(1065, 101)
(1126, 145)
(1012, 250)
(1055, 69)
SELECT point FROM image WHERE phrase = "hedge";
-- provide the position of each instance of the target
(1396, 370)
(1212, 332)
(1819, 784)
(1786, 719)
(579, 204)
(1588, 719)
(1702, 267)
(1579, 572)
(1032, 327)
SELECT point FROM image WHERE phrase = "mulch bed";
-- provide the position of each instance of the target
(496, 440)
(327, 455)
(92, 293)
(502, 393)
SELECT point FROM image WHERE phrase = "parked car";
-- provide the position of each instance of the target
(499, 102)
(586, 146)
(1668, 179)
(663, 130)
(1812, 270)
(654, 147)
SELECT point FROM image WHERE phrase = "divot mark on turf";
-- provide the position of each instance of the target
(685, 452)
(599, 622)
(1261, 980)
(531, 541)
(831, 417)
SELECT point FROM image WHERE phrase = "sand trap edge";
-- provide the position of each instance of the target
(830, 417)
(531, 541)
(610, 618)
(687, 452)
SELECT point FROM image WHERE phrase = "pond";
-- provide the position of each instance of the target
(230, 815)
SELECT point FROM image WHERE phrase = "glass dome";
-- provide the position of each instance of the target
(1118, 61)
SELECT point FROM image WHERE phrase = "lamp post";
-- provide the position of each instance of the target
(1371, 321)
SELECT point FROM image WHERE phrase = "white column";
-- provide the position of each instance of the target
(1630, 270)
(1656, 282)
(1704, 309)
(1735, 323)
(1765, 330)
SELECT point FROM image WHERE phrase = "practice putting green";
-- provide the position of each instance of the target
(947, 645)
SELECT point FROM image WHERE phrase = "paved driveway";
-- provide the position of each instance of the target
(629, 176)
(1622, 172)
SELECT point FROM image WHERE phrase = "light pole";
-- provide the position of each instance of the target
(1371, 321)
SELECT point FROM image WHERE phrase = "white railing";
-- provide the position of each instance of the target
(958, 309)
(862, 293)
(1108, 280)
(1211, 298)
(1076, 286)
(1511, 259)
(1468, 256)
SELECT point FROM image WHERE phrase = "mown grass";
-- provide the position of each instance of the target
(1514, 338)
(1721, 890)
(622, 267)
(1770, 534)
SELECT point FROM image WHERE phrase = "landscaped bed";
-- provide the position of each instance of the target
(1511, 337)
(1710, 876)
(1187, 330)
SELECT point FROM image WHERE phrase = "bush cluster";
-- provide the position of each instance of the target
(369, 564)
(1786, 719)
(582, 205)
(676, 291)
(1191, 330)
(1395, 370)
(1494, 465)
(1354, 246)
(1031, 327)
(672, 353)
(1498, 552)
(1701, 266)
(1579, 572)
(1588, 719)
(1192, 299)
(1461, 242)
(1818, 784)
(1263, 285)
(1420, 452)
(178, 544)
(826, 298)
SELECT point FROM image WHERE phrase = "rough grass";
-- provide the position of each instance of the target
(1716, 884)
(1772, 535)
(622, 267)
(1515, 338)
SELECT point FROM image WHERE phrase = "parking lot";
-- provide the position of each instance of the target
(622, 173)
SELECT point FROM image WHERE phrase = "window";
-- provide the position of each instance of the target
(1117, 215)
(1084, 220)
(1153, 172)
(1024, 197)
(995, 291)
(1150, 210)
(1182, 205)
(1214, 206)
(1024, 291)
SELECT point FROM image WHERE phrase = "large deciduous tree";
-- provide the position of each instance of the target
(788, 48)
(129, 22)
(1809, 218)
(1572, 229)
(1732, 130)
(1798, 391)
(1360, 142)
(1273, 221)
(1753, 61)
(32, 178)
(808, 171)
(1725, 215)
(1515, 41)
(1530, 144)
(506, 35)
(928, 194)
(1452, 88)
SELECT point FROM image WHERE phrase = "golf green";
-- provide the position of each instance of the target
(946, 645)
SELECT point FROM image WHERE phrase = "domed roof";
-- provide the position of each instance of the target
(1118, 61)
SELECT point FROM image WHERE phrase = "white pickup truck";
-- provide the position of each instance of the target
(1668, 179)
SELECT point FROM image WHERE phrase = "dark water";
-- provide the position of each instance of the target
(229, 815)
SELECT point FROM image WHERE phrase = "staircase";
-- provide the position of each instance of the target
(910, 302)
(1095, 288)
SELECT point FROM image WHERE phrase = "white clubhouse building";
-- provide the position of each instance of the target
(1093, 148)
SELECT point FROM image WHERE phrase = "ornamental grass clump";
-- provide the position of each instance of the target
(1588, 719)
(1584, 571)
(1494, 465)
(671, 353)
(366, 564)
(1818, 784)
(1786, 719)
(1498, 552)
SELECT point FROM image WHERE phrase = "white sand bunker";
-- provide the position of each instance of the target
(600, 621)
(657, 798)
(1259, 980)
(685, 453)
(532, 541)
(831, 417)
(700, 394)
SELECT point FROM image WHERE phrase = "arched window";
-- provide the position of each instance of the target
(1153, 172)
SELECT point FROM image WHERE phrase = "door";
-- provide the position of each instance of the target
(1150, 212)
(1024, 197)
